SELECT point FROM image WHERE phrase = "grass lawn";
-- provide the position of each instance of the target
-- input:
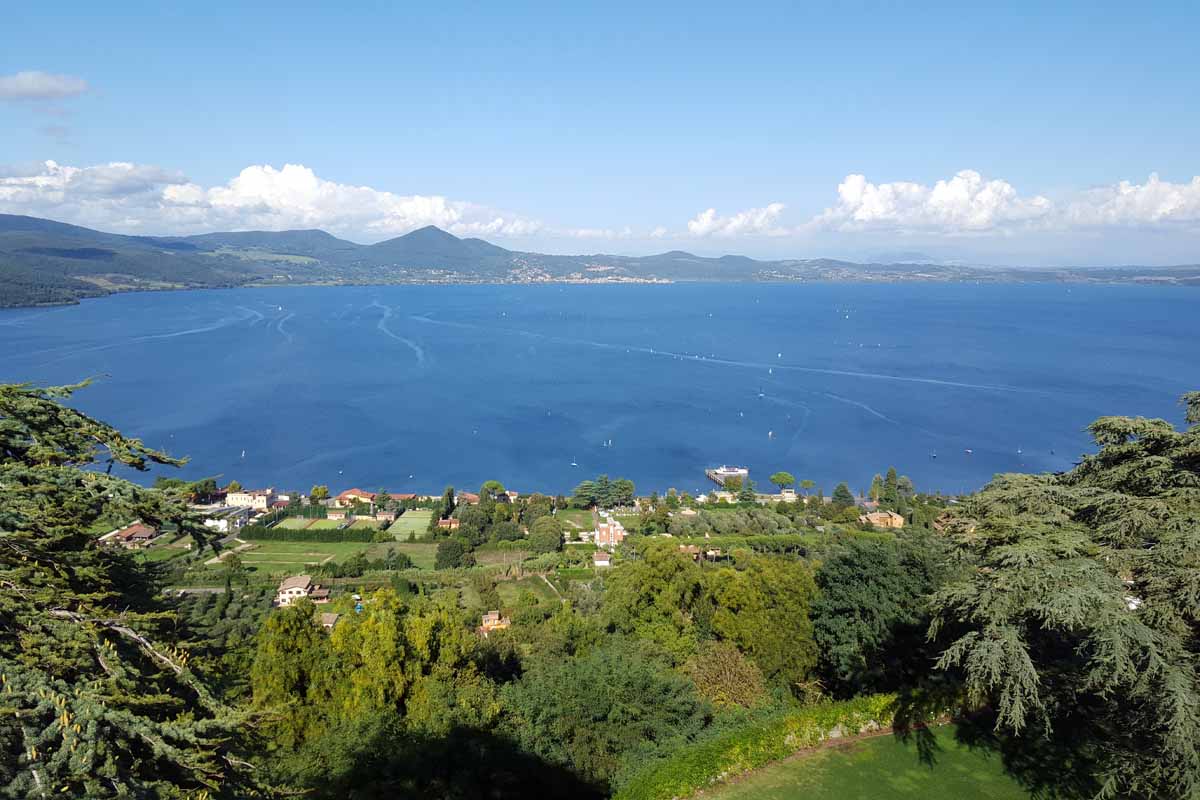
(364, 523)
(489, 554)
(413, 521)
(578, 518)
(326, 524)
(509, 591)
(294, 523)
(878, 768)
(421, 553)
(630, 521)
(576, 573)
(293, 556)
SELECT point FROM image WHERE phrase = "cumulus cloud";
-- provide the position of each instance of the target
(760, 221)
(967, 203)
(1155, 202)
(133, 197)
(34, 85)
(963, 203)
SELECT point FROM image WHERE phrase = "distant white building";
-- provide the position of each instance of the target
(256, 499)
(226, 519)
(298, 587)
(600, 558)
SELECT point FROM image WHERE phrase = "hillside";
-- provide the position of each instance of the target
(46, 262)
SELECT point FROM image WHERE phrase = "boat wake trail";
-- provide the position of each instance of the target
(418, 351)
(863, 406)
(224, 322)
(258, 317)
(279, 326)
(726, 362)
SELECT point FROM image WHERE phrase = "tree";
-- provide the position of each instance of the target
(584, 495)
(876, 492)
(725, 677)
(490, 490)
(592, 712)
(1080, 615)
(746, 495)
(733, 483)
(233, 486)
(546, 535)
(783, 480)
(842, 497)
(450, 554)
(890, 498)
(98, 696)
(807, 485)
(870, 618)
(318, 494)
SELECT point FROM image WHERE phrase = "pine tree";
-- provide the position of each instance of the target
(97, 696)
(1081, 615)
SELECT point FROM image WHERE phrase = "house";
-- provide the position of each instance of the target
(609, 533)
(134, 535)
(255, 499)
(512, 496)
(601, 558)
(385, 516)
(698, 553)
(351, 496)
(882, 519)
(450, 524)
(467, 497)
(226, 519)
(298, 587)
(328, 620)
(492, 621)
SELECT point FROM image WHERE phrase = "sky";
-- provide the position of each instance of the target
(1017, 134)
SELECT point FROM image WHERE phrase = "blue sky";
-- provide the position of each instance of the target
(615, 129)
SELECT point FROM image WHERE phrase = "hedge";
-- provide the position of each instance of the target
(756, 744)
(305, 535)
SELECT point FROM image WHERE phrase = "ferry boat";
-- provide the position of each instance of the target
(723, 473)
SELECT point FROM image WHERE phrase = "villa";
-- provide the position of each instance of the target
(299, 587)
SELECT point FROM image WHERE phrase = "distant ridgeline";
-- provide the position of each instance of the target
(44, 262)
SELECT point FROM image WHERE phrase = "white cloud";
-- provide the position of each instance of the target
(758, 221)
(658, 233)
(34, 85)
(141, 198)
(967, 203)
(964, 203)
(1155, 202)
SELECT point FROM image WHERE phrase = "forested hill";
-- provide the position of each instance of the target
(46, 262)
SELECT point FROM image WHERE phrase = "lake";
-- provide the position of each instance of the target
(413, 388)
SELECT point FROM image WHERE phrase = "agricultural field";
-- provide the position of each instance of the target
(414, 521)
(292, 556)
(877, 768)
(510, 591)
(421, 553)
(489, 554)
(577, 519)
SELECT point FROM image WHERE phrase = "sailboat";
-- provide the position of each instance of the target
(243, 454)
(573, 464)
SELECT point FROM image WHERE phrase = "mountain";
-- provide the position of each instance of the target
(46, 262)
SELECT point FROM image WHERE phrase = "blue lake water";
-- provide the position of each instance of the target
(417, 387)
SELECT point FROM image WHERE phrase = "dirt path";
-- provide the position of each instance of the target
(218, 559)
(553, 588)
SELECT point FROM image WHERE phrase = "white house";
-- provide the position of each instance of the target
(256, 499)
(298, 587)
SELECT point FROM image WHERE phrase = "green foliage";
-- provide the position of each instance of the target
(546, 535)
(451, 553)
(602, 710)
(870, 618)
(724, 676)
(1081, 612)
(842, 496)
(98, 696)
(783, 479)
(260, 534)
(752, 745)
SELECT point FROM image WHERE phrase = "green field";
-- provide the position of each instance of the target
(359, 524)
(883, 767)
(412, 521)
(421, 553)
(294, 523)
(296, 556)
(510, 591)
(577, 518)
(490, 554)
(326, 524)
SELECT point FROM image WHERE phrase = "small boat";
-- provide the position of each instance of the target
(573, 464)
(969, 451)
(243, 454)
(933, 455)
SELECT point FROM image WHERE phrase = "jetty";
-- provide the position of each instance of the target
(723, 473)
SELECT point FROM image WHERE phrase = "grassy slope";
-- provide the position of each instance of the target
(879, 768)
